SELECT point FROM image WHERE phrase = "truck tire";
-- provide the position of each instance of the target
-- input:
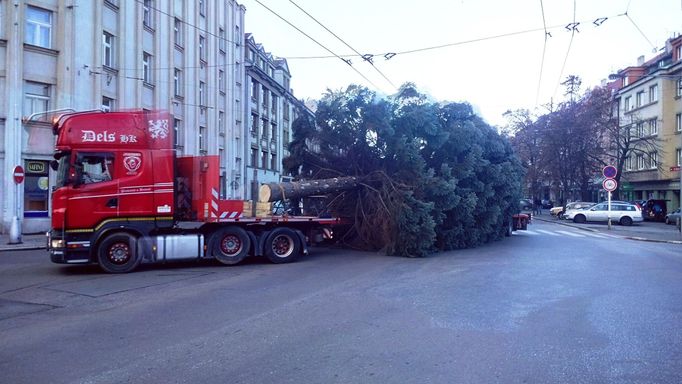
(116, 253)
(282, 246)
(229, 245)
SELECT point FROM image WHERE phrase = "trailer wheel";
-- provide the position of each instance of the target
(230, 245)
(282, 246)
(117, 254)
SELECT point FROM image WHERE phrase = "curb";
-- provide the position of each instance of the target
(637, 238)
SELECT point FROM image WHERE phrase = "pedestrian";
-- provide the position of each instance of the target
(537, 207)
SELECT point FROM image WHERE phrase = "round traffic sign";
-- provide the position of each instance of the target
(609, 172)
(18, 174)
(610, 185)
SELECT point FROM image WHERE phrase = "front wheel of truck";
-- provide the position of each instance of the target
(117, 254)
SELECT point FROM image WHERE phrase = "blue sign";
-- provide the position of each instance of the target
(609, 172)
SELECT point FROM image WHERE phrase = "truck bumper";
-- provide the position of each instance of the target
(60, 253)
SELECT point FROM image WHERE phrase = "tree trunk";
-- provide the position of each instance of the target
(295, 189)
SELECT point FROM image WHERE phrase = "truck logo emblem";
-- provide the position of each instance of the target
(158, 128)
(132, 162)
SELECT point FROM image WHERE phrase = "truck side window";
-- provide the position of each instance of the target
(96, 167)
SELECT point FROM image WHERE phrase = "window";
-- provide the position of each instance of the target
(678, 91)
(628, 163)
(626, 104)
(202, 7)
(202, 48)
(273, 130)
(254, 125)
(177, 126)
(202, 139)
(639, 98)
(285, 110)
(221, 39)
(146, 67)
(36, 188)
(254, 90)
(202, 93)
(653, 127)
(108, 49)
(273, 162)
(221, 81)
(285, 137)
(653, 159)
(177, 32)
(264, 159)
(678, 122)
(678, 52)
(640, 161)
(147, 13)
(38, 27)
(266, 97)
(107, 104)
(653, 93)
(221, 123)
(274, 105)
(626, 81)
(254, 157)
(36, 97)
(177, 82)
(640, 130)
(678, 156)
(94, 167)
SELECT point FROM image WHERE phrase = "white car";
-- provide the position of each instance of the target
(621, 212)
(575, 206)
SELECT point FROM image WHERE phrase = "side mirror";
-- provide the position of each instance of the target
(54, 164)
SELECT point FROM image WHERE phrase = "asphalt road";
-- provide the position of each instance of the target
(551, 305)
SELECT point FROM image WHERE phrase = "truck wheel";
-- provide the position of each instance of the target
(282, 246)
(117, 254)
(230, 245)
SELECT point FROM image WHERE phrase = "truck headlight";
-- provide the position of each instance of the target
(57, 244)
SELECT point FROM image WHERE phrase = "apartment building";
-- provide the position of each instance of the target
(649, 99)
(271, 111)
(185, 56)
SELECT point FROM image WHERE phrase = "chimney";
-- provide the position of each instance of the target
(640, 61)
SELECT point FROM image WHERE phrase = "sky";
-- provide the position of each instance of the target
(497, 55)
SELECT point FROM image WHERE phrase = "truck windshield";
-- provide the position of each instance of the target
(62, 169)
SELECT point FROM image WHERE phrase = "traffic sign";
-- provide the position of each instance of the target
(609, 172)
(610, 185)
(18, 174)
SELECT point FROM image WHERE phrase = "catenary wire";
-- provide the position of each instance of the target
(318, 43)
(367, 59)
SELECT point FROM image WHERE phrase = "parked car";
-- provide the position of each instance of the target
(576, 205)
(621, 212)
(546, 204)
(526, 204)
(556, 211)
(654, 209)
(672, 217)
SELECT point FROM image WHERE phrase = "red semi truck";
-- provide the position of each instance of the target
(123, 197)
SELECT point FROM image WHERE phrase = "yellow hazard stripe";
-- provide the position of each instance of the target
(119, 219)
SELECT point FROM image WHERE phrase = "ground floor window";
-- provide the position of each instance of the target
(36, 188)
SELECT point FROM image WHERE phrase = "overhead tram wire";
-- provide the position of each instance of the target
(573, 28)
(597, 22)
(318, 43)
(544, 49)
(365, 57)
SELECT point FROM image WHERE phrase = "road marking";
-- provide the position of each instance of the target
(548, 232)
(571, 234)
(597, 235)
(527, 231)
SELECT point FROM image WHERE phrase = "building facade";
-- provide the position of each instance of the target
(271, 111)
(184, 56)
(649, 109)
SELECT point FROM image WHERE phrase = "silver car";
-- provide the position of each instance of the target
(621, 212)
(575, 206)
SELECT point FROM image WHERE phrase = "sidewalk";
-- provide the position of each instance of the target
(644, 231)
(32, 241)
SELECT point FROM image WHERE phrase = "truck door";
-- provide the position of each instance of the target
(95, 190)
